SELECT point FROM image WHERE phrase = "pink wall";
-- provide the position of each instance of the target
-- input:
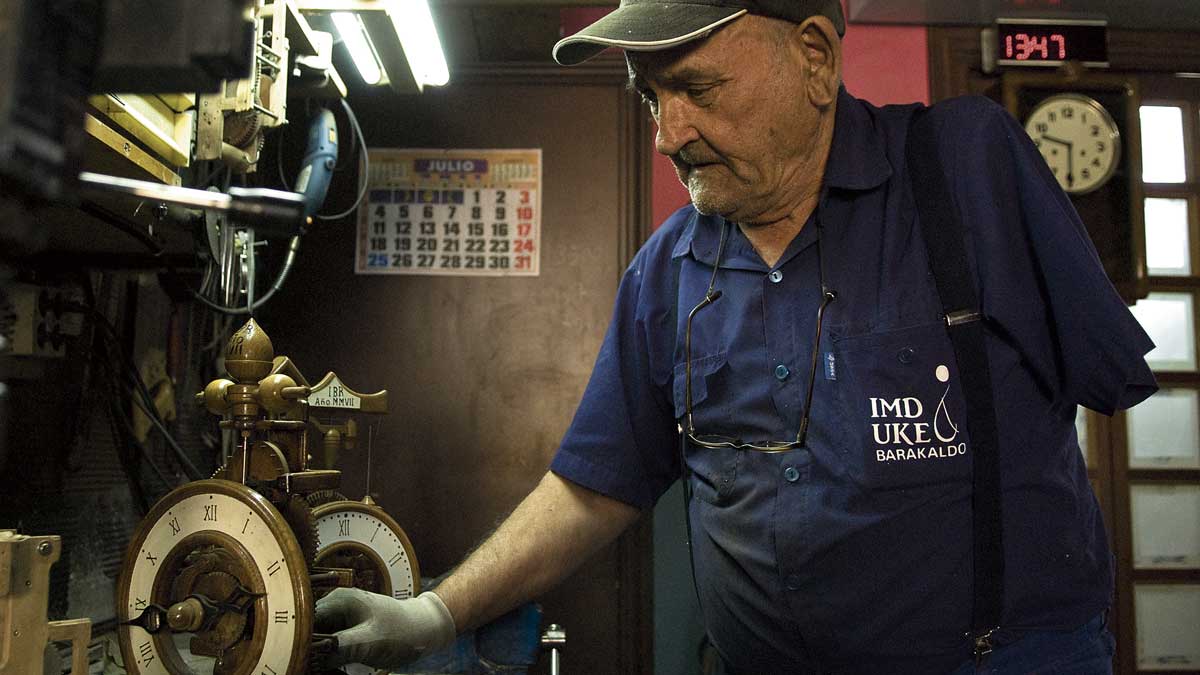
(882, 64)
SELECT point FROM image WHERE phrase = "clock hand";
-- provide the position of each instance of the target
(1070, 157)
(1060, 141)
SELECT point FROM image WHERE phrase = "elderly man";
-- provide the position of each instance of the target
(782, 344)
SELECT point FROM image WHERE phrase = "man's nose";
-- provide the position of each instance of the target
(675, 128)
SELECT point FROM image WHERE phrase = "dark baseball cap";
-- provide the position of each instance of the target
(651, 25)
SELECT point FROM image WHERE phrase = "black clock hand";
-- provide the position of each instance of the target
(1070, 157)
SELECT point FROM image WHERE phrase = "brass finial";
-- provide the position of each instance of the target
(249, 354)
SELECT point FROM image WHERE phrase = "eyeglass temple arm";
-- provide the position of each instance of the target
(828, 297)
(710, 297)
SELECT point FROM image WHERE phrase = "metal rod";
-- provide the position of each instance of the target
(370, 444)
(265, 111)
(98, 183)
(250, 204)
(245, 459)
(263, 46)
(267, 62)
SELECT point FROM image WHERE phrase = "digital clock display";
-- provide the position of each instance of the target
(1022, 42)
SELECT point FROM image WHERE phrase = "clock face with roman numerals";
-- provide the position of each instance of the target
(363, 537)
(1079, 140)
(221, 543)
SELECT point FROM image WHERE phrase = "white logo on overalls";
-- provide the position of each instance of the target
(909, 440)
(943, 376)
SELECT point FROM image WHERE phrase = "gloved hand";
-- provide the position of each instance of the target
(380, 631)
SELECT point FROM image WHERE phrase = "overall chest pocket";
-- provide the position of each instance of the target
(902, 408)
(712, 471)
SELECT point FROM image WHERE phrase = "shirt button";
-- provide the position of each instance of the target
(906, 355)
(775, 276)
(792, 582)
(781, 372)
(791, 474)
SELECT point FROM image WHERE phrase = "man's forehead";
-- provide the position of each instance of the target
(670, 72)
(696, 60)
(708, 56)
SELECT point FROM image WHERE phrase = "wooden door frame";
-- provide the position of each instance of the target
(634, 225)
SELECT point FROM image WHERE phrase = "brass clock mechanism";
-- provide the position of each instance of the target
(222, 575)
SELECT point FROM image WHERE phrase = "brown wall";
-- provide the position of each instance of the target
(483, 374)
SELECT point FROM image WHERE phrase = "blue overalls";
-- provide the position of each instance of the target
(853, 553)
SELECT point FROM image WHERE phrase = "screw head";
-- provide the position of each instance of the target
(45, 548)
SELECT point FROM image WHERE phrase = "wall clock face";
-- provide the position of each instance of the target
(1079, 139)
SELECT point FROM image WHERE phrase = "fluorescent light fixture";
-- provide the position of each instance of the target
(414, 26)
(391, 41)
(354, 37)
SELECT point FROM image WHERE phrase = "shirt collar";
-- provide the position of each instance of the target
(857, 161)
(858, 156)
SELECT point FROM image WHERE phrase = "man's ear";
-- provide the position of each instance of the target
(822, 60)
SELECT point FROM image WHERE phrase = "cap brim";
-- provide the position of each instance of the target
(644, 27)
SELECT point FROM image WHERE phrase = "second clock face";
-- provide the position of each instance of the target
(1079, 140)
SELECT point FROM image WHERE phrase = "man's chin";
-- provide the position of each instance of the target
(708, 205)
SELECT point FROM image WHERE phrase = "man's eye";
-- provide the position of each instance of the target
(698, 93)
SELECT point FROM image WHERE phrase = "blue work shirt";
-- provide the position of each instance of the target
(853, 553)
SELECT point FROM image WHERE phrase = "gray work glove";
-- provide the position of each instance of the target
(380, 631)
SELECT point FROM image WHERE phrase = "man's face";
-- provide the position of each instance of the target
(733, 117)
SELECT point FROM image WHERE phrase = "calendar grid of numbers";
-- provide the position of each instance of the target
(451, 213)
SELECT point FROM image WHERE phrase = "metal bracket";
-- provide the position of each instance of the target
(963, 316)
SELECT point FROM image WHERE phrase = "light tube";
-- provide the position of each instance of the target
(414, 26)
(354, 36)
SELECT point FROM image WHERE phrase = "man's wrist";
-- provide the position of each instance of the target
(442, 630)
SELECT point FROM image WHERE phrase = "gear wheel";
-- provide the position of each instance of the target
(299, 515)
(320, 497)
(242, 128)
(267, 462)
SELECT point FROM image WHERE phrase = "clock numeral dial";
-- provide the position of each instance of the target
(1079, 140)
(194, 525)
(362, 536)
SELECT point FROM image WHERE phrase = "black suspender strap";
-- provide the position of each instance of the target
(942, 230)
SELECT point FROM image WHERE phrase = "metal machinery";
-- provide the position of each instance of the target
(222, 574)
(24, 586)
(111, 106)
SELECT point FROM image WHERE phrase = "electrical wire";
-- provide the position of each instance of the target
(137, 491)
(253, 304)
(287, 185)
(366, 168)
(145, 454)
(140, 395)
(128, 228)
(293, 248)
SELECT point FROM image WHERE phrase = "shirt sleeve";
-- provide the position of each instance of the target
(622, 442)
(1042, 283)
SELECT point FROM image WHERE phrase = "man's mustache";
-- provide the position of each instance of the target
(691, 155)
